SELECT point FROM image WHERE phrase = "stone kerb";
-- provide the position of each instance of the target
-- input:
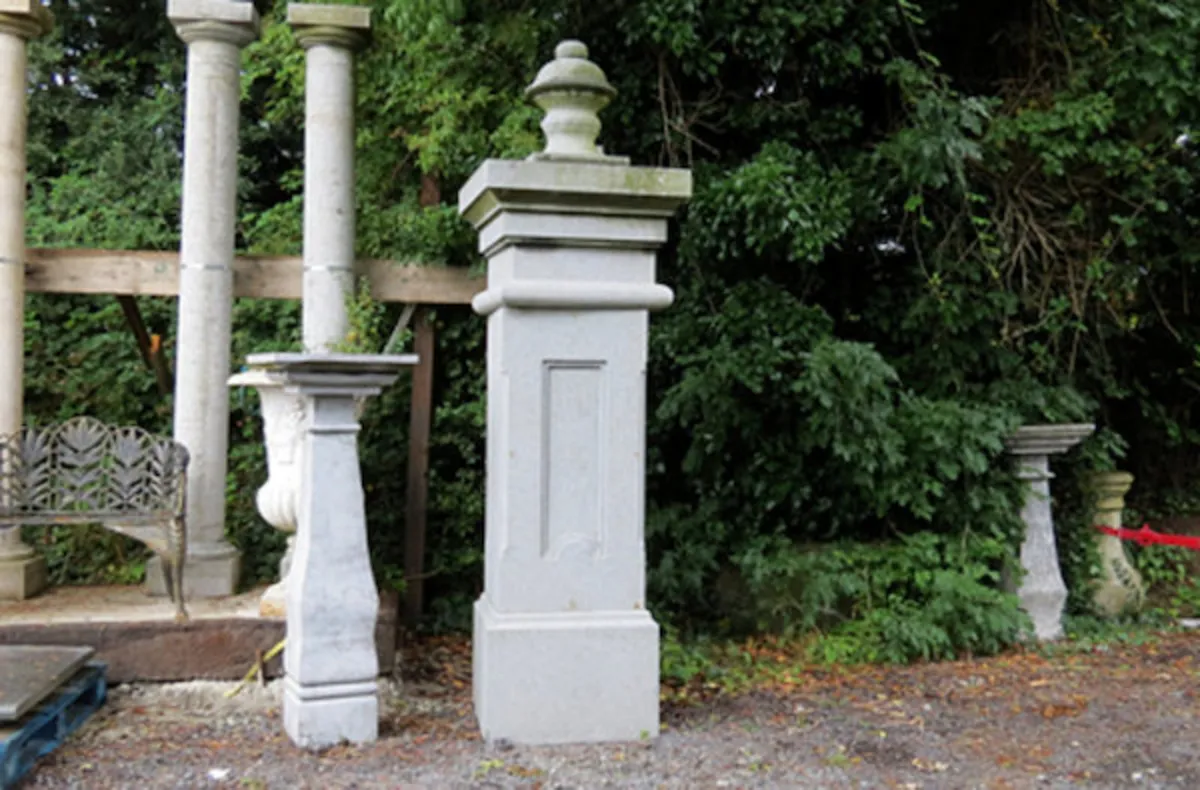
(1042, 593)
(565, 650)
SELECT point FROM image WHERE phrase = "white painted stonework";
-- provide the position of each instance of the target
(565, 650)
(22, 572)
(215, 32)
(330, 663)
(1042, 593)
(1120, 588)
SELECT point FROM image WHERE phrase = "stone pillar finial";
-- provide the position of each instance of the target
(572, 91)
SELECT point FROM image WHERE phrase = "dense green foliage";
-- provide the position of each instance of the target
(916, 225)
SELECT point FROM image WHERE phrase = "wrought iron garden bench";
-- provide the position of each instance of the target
(85, 472)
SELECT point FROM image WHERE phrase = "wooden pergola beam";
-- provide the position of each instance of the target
(140, 273)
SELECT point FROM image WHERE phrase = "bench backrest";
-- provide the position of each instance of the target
(83, 470)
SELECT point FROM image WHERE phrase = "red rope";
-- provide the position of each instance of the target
(1145, 536)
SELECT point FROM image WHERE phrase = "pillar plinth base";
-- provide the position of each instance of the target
(570, 677)
(22, 578)
(315, 717)
(203, 577)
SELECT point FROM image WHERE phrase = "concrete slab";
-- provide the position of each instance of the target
(29, 674)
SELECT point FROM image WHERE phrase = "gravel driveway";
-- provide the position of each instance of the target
(1120, 717)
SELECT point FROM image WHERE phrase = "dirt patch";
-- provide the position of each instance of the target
(1111, 718)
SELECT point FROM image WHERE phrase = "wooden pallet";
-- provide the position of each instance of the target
(45, 728)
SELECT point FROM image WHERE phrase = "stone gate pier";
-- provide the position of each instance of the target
(565, 650)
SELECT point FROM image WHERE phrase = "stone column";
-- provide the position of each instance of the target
(215, 32)
(330, 34)
(565, 650)
(330, 664)
(1043, 593)
(1120, 588)
(22, 573)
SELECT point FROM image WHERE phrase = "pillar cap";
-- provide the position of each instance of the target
(235, 21)
(346, 26)
(27, 18)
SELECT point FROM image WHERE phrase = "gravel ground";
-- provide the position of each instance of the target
(1110, 718)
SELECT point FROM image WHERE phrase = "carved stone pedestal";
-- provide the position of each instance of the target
(1043, 593)
(330, 662)
(1120, 588)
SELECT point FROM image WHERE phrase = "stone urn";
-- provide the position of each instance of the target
(1042, 592)
(284, 421)
(1120, 588)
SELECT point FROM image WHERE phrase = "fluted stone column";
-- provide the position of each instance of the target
(215, 32)
(565, 650)
(1042, 592)
(22, 573)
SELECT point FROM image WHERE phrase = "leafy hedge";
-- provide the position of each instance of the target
(916, 225)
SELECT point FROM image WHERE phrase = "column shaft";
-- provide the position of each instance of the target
(22, 573)
(328, 194)
(215, 36)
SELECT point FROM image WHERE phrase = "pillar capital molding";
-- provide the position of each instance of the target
(342, 26)
(25, 19)
(211, 30)
(230, 21)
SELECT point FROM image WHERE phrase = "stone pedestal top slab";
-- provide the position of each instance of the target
(29, 674)
(352, 371)
(318, 14)
(1052, 439)
(572, 187)
(234, 11)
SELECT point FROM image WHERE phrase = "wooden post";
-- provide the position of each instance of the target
(416, 507)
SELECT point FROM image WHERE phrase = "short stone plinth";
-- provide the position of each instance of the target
(330, 663)
(1042, 593)
(1119, 589)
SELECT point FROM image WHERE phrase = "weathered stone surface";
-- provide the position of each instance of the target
(1120, 588)
(317, 14)
(232, 11)
(29, 673)
(565, 650)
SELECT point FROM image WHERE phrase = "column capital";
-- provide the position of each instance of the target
(27, 19)
(231, 21)
(342, 26)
